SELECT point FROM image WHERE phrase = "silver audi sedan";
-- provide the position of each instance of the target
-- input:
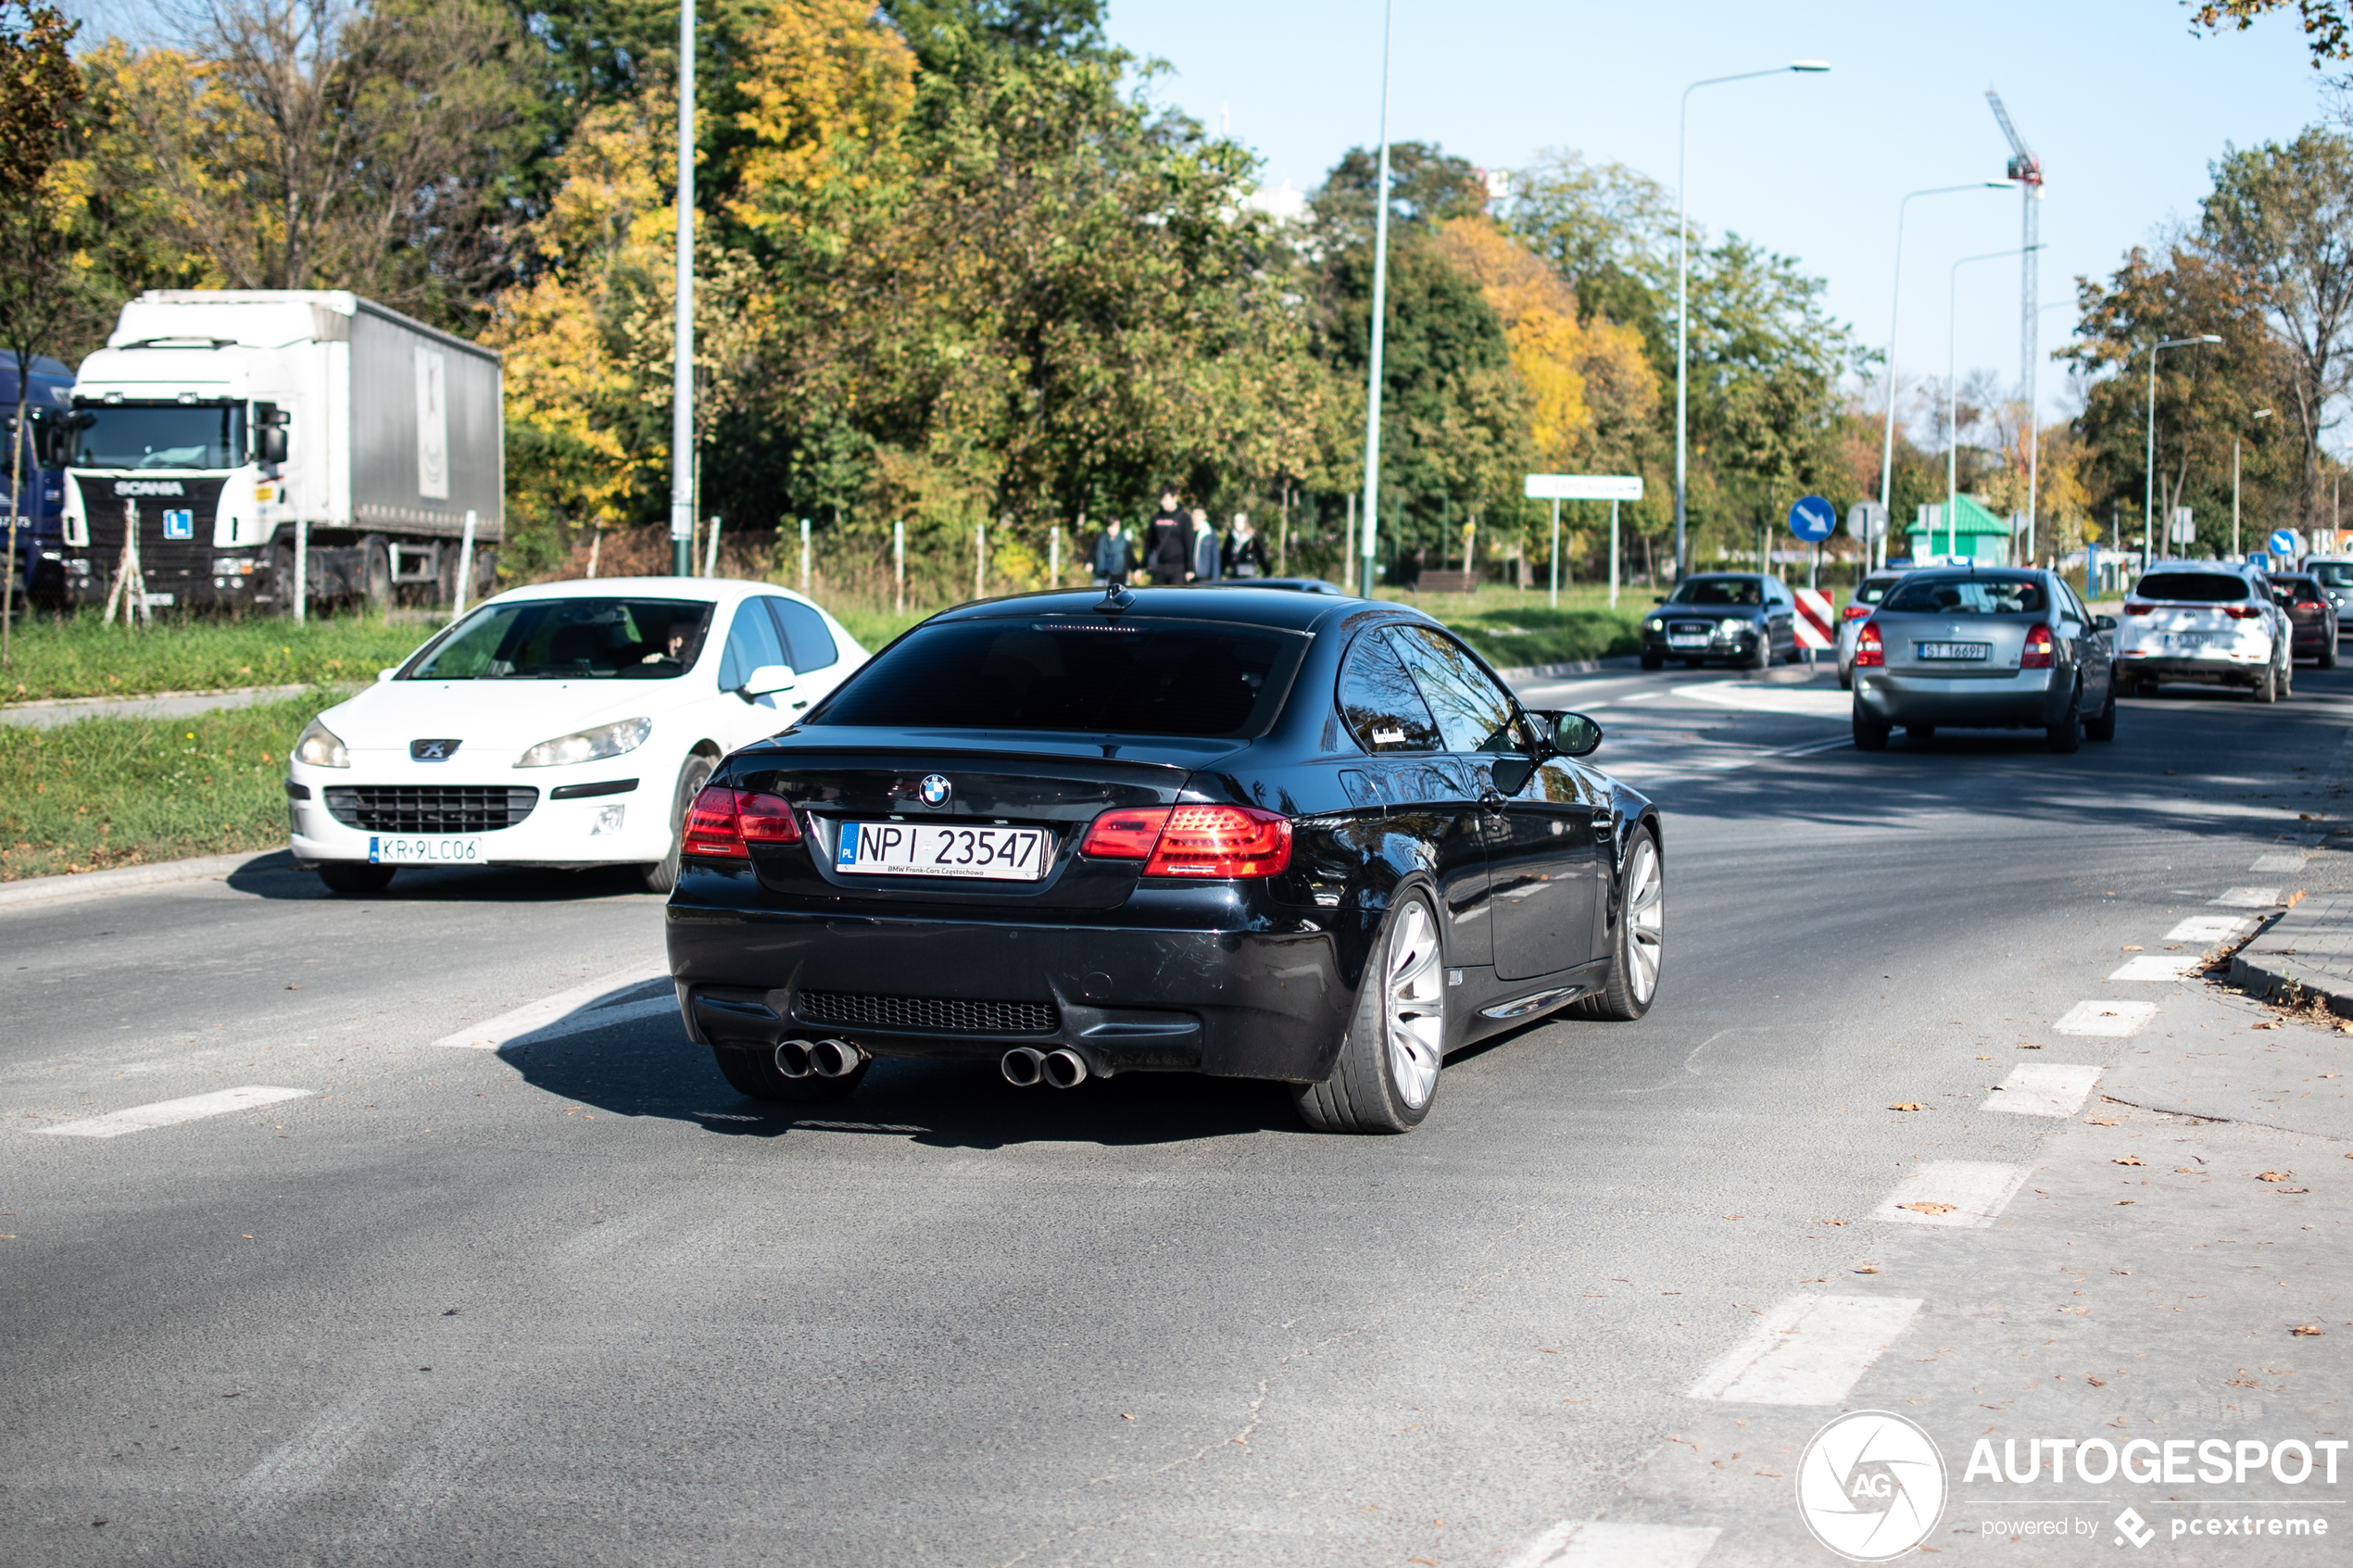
(1974, 648)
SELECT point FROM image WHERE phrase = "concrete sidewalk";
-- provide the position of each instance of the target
(154, 705)
(2309, 948)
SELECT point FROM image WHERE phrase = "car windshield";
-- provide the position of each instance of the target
(159, 435)
(1986, 593)
(2331, 574)
(1719, 590)
(568, 640)
(2194, 587)
(1149, 678)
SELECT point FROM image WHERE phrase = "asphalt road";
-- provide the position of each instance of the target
(614, 1314)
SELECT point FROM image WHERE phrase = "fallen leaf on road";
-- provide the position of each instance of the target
(2077, 1312)
(1845, 1221)
(2296, 898)
(2095, 1382)
(2308, 1330)
(2128, 1159)
(2274, 1024)
(2122, 1203)
(1909, 1105)
(1124, 1416)
(2097, 1121)
(1927, 1208)
(2135, 949)
(2291, 1189)
(1868, 1269)
(1736, 1216)
(2275, 1175)
(2030, 1048)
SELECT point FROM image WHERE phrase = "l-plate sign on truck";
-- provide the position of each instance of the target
(215, 421)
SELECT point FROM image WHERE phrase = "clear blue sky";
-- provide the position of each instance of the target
(2124, 107)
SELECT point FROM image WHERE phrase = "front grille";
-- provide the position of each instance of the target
(168, 566)
(429, 808)
(929, 1015)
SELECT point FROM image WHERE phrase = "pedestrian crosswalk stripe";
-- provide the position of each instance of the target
(1807, 1351)
(166, 1113)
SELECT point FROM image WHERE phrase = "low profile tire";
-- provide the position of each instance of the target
(1869, 736)
(1762, 658)
(751, 1070)
(2066, 735)
(661, 876)
(2102, 725)
(355, 876)
(1654, 660)
(1387, 1074)
(1639, 946)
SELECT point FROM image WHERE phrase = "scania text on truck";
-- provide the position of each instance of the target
(220, 429)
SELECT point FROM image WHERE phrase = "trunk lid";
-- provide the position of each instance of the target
(1928, 644)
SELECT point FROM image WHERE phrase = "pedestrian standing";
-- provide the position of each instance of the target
(1114, 557)
(1245, 552)
(1201, 565)
(1168, 541)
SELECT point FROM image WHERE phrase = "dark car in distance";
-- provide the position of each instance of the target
(2311, 616)
(1743, 619)
(1218, 831)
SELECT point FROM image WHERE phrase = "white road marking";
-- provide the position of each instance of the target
(1972, 1194)
(2118, 1021)
(2278, 862)
(567, 1012)
(2206, 928)
(1594, 1544)
(2045, 1090)
(2157, 966)
(1807, 1351)
(303, 1464)
(1761, 697)
(164, 1114)
(2247, 898)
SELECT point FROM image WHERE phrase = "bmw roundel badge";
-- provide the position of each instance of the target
(935, 789)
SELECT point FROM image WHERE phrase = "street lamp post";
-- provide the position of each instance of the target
(682, 387)
(2148, 479)
(2235, 437)
(1951, 397)
(1380, 309)
(1894, 300)
(1682, 292)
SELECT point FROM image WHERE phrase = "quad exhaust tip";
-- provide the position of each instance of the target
(792, 1058)
(834, 1059)
(1026, 1066)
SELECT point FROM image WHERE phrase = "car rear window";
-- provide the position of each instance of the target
(1135, 677)
(1719, 590)
(2331, 574)
(1984, 592)
(2303, 590)
(2194, 587)
(568, 639)
(1874, 589)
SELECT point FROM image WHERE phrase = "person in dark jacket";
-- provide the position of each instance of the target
(1114, 557)
(1245, 552)
(1202, 550)
(1166, 538)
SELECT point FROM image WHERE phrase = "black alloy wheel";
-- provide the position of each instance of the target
(661, 876)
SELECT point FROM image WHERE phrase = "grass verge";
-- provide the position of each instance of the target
(1513, 628)
(126, 791)
(62, 658)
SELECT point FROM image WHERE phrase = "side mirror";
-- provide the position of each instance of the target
(1576, 735)
(767, 681)
(272, 445)
(1659, 600)
(2104, 623)
(386, 673)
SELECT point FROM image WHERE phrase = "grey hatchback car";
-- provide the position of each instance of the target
(2000, 648)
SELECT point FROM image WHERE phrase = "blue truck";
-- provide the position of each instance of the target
(40, 509)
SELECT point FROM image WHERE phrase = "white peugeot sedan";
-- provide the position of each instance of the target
(2211, 621)
(566, 724)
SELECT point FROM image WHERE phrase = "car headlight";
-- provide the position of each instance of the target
(1730, 626)
(320, 747)
(1655, 624)
(588, 746)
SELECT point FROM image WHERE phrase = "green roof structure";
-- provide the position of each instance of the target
(1973, 532)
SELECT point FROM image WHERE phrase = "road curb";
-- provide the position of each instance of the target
(2307, 951)
(1573, 667)
(130, 879)
(144, 704)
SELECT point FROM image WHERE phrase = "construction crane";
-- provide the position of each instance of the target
(2027, 170)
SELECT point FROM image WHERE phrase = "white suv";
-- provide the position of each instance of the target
(2212, 621)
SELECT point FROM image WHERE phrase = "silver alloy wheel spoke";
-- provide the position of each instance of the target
(1645, 921)
(1415, 999)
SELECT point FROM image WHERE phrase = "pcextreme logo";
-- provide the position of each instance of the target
(1871, 1486)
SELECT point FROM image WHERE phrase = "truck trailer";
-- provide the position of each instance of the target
(221, 435)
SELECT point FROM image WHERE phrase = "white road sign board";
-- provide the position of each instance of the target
(1584, 487)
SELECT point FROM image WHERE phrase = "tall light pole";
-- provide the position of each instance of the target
(682, 387)
(1894, 300)
(2235, 438)
(1381, 309)
(2148, 480)
(1682, 292)
(1952, 395)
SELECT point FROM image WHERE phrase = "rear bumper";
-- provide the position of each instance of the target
(2028, 699)
(2214, 669)
(1250, 1004)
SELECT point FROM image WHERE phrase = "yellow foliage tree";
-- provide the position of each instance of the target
(829, 86)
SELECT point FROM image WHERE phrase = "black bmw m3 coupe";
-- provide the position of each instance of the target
(1174, 830)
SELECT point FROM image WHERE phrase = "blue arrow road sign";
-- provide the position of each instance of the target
(1812, 519)
(2282, 542)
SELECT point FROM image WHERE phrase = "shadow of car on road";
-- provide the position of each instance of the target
(275, 875)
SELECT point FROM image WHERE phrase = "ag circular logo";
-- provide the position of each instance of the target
(935, 789)
(1871, 1486)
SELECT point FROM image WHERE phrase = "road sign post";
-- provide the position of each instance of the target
(2283, 542)
(1813, 520)
(1559, 487)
